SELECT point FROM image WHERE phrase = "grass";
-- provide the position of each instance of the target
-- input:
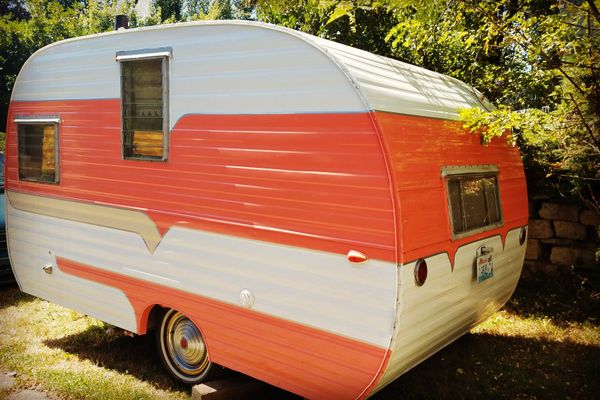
(75, 357)
(544, 344)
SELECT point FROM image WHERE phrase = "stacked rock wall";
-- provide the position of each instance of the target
(560, 236)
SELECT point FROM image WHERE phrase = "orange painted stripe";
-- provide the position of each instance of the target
(314, 181)
(317, 181)
(378, 377)
(304, 360)
(417, 148)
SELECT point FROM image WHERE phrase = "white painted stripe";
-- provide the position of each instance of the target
(317, 289)
(450, 302)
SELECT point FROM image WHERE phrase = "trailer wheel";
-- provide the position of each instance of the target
(182, 349)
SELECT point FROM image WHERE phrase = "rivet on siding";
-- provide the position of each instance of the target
(246, 298)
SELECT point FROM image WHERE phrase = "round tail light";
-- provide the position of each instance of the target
(523, 236)
(420, 272)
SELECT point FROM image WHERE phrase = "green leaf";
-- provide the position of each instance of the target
(343, 9)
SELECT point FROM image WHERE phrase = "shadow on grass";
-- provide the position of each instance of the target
(565, 298)
(131, 355)
(477, 366)
(11, 295)
(135, 356)
(487, 366)
(484, 366)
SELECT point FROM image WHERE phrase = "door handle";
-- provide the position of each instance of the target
(356, 256)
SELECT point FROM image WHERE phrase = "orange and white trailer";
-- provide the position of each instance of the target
(301, 211)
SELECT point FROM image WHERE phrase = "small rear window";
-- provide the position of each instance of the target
(473, 200)
(38, 153)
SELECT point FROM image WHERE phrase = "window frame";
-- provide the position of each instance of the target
(40, 120)
(165, 54)
(475, 171)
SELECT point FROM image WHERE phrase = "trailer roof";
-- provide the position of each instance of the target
(380, 83)
(399, 87)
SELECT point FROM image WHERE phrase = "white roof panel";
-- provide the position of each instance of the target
(398, 87)
(240, 67)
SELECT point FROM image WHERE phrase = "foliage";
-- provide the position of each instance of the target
(363, 24)
(536, 59)
(170, 10)
(210, 10)
(19, 38)
(15, 8)
(46, 22)
(559, 132)
(27, 25)
(192, 10)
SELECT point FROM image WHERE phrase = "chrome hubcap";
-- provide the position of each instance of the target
(185, 345)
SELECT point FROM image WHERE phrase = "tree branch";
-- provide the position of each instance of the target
(594, 10)
(580, 26)
(543, 52)
(583, 121)
(574, 65)
(571, 80)
(594, 203)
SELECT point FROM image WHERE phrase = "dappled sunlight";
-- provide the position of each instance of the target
(564, 299)
(506, 323)
(486, 365)
(544, 343)
(538, 344)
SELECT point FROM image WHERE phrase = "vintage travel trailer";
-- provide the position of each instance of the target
(303, 212)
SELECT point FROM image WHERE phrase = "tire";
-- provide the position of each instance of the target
(182, 350)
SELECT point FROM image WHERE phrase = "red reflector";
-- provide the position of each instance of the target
(421, 272)
(523, 235)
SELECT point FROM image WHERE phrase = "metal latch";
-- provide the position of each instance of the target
(483, 250)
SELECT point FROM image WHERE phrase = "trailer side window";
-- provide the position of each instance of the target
(37, 142)
(144, 104)
(473, 199)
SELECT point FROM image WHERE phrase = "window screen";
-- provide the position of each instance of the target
(474, 202)
(37, 145)
(143, 99)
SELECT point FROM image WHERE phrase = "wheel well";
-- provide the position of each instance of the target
(154, 316)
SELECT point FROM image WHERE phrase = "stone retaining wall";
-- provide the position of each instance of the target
(560, 236)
